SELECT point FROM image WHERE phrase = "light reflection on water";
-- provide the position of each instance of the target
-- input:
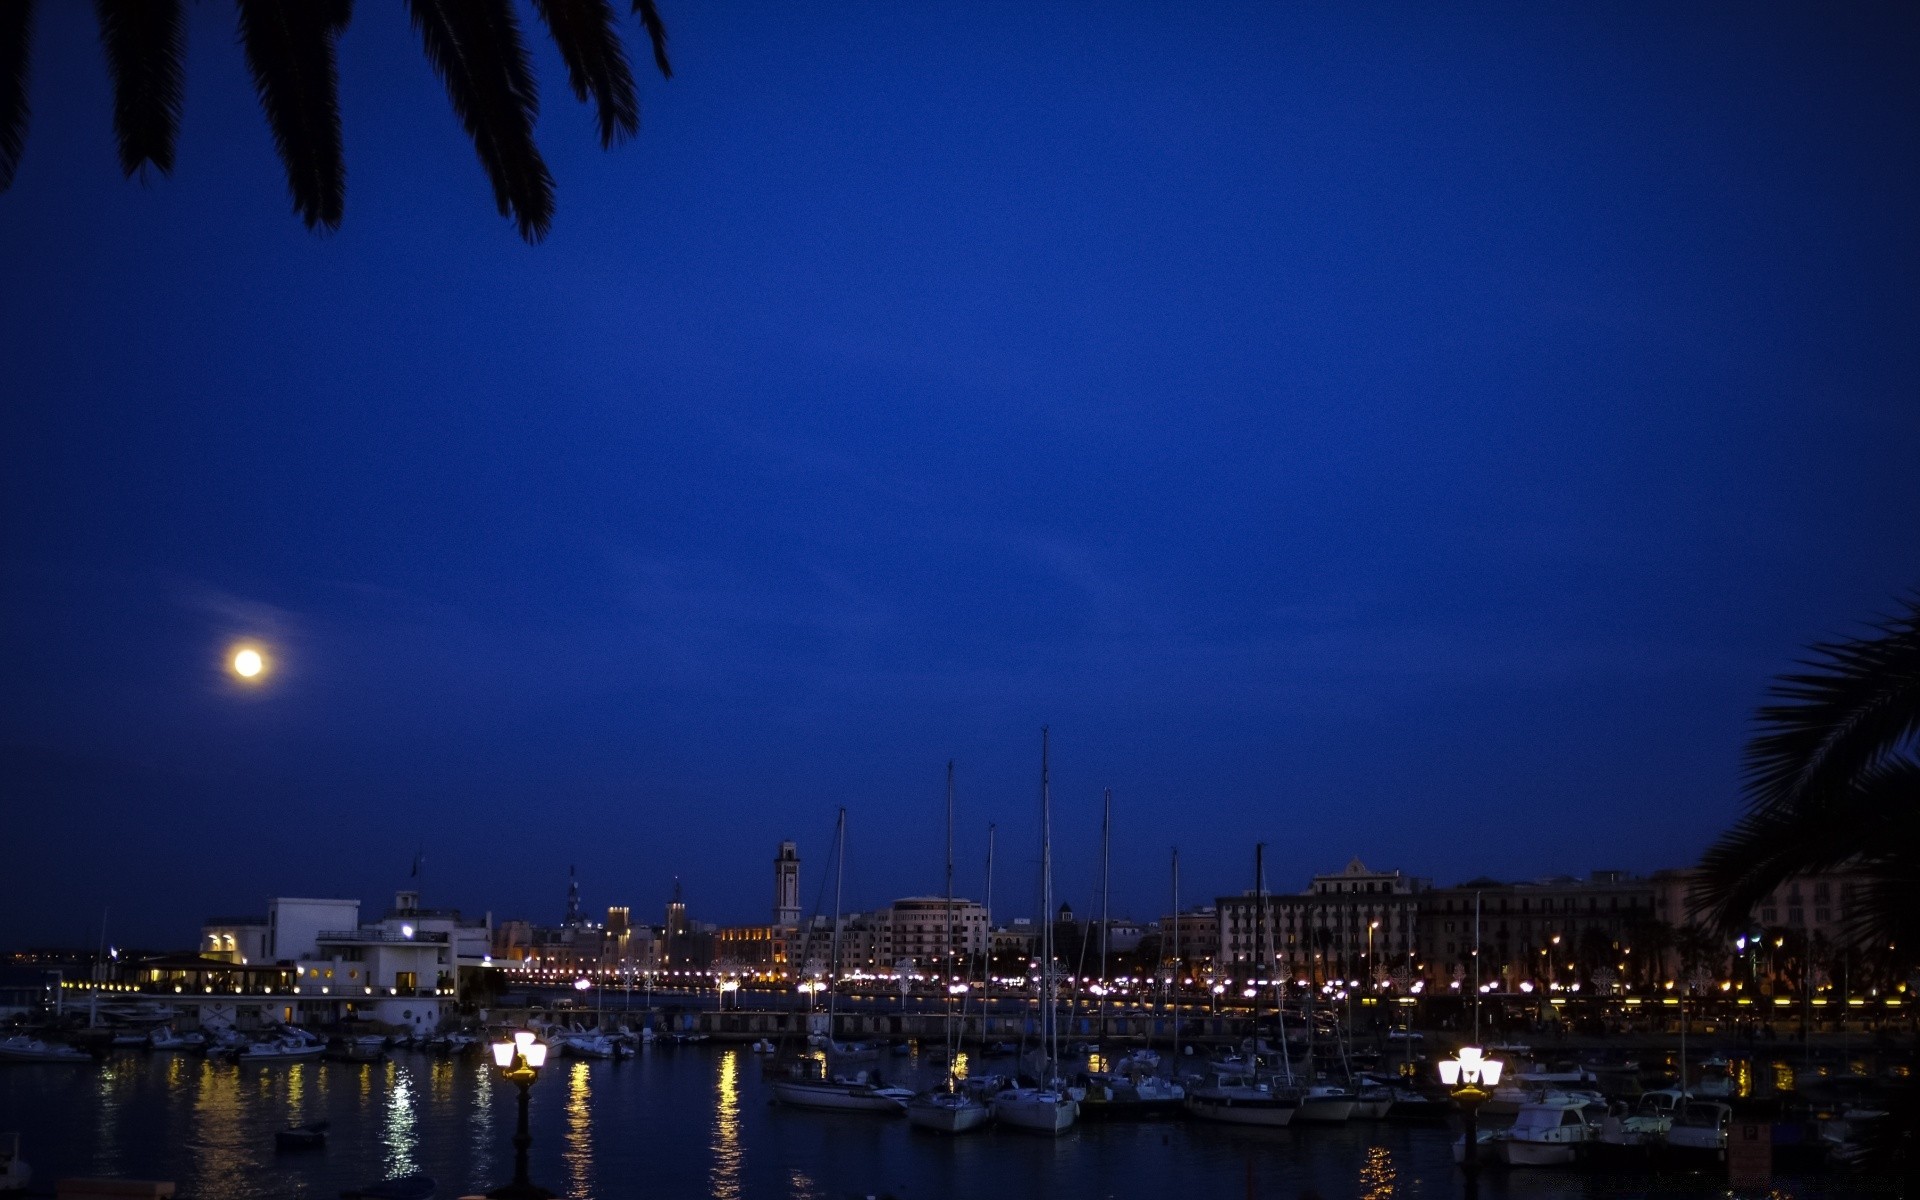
(579, 1154)
(688, 1121)
(1377, 1174)
(402, 1137)
(726, 1128)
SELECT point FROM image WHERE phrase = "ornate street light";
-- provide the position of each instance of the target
(1463, 1076)
(520, 1059)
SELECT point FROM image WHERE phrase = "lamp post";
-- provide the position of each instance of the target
(1462, 1076)
(520, 1059)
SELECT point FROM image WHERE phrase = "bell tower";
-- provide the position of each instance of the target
(786, 885)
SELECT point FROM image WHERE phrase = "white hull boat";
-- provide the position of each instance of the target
(1040, 1110)
(1547, 1135)
(26, 1049)
(947, 1112)
(1699, 1132)
(841, 1097)
(1326, 1105)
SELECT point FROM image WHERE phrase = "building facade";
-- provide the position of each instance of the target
(1349, 925)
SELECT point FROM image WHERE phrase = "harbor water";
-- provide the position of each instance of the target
(696, 1121)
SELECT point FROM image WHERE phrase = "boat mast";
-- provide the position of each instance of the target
(1049, 1034)
(986, 994)
(1476, 968)
(1176, 952)
(1259, 938)
(839, 877)
(948, 980)
(1106, 834)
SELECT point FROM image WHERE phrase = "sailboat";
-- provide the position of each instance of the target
(1244, 1096)
(1047, 1108)
(948, 1109)
(811, 1082)
(1133, 1088)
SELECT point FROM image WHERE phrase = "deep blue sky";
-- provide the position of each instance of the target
(1392, 430)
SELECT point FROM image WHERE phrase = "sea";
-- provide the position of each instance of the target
(700, 1121)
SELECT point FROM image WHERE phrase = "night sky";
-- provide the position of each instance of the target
(1385, 430)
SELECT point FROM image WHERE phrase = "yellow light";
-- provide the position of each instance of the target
(248, 662)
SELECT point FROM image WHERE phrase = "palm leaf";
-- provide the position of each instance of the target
(475, 48)
(1829, 777)
(649, 14)
(145, 42)
(16, 36)
(1858, 701)
(587, 35)
(290, 50)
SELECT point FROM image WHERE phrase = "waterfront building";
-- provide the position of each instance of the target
(1198, 937)
(1328, 931)
(917, 926)
(1801, 928)
(1551, 931)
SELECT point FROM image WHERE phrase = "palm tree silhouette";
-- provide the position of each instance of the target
(474, 46)
(1833, 779)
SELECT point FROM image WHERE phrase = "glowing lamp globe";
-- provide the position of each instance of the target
(1449, 1070)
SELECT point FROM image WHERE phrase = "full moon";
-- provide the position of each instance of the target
(248, 664)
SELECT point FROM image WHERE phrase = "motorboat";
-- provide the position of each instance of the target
(946, 1111)
(1547, 1135)
(586, 1045)
(28, 1049)
(1640, 1127)
(15, 1174)
(165, 1039)
(843, 1051)
(808, 1084)
(1699, 1131)
(312, 1136)
(290, 1045)
(841, 1095)
(1243, 1102)
(1048, 1110)
(1326, 1103)
(764, 1046)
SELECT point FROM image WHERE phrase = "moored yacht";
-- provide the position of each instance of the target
(1242, 1101)
(947, 1111)
(1050, 1110)
(27, 1049)
(1548, 1135)
(1325, 1103)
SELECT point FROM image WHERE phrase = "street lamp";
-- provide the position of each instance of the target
(520, 1059)
(1463, 1076)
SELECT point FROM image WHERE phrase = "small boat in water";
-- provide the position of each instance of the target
(302, 1137)
(947, 1112)
(406, 1187)
(859, 1094)
(1548, 1135)
(1243, 1102)
(26, 1049)
(1049, 1110)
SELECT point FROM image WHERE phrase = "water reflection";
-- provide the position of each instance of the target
(726, 1128)
(297, 1094)
(1377, 1174)
(962, 1063)
(107, 1126)
(803, 1187)
(221, 1152)
(579, 1153)
(400, 1133)
(482, 1121)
